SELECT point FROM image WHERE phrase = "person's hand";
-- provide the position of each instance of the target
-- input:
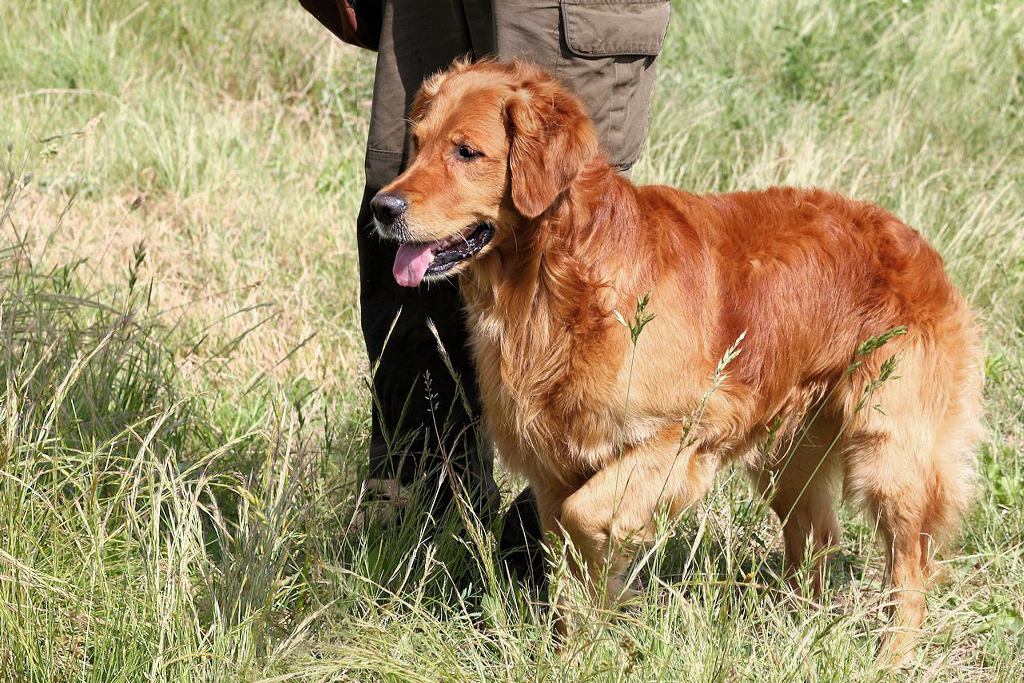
(356, 22)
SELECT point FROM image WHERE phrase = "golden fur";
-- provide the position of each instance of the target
(806, 275)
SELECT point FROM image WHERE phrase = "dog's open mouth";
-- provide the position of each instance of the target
(416, 260)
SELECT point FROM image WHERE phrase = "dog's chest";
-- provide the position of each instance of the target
(550, 400)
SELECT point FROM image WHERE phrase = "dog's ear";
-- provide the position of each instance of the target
(552, 139)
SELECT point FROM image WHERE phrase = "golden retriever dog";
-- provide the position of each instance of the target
(508, 190)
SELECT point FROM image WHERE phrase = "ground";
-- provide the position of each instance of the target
(185, 411)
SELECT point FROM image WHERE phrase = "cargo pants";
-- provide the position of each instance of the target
(424, 429)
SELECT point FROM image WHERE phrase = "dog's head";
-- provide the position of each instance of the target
(493, 146)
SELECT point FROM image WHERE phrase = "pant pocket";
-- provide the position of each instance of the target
(609, 52)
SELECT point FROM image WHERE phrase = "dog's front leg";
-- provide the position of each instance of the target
(611, 515)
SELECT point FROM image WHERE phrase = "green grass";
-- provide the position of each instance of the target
(184, 413)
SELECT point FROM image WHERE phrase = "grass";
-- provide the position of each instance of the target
(184, 413)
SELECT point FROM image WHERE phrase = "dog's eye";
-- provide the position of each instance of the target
(467, 152)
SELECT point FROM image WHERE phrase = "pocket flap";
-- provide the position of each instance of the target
(602, 28)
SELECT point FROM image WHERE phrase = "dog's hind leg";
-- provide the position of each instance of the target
(613, 513)
(799, 484)
(887, 469)
(908, 460)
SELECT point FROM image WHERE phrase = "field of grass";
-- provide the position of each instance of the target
(184, 411)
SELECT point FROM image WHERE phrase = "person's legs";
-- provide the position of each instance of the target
(419, 415)
(424, 419)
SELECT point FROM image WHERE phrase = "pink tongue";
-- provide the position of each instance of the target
(411, 263)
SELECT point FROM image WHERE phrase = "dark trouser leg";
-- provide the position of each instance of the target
(418, 38)
(424, 419)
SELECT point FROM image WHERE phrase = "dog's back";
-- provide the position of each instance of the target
(860, 368)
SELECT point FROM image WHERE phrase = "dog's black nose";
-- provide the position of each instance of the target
(388, 207)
